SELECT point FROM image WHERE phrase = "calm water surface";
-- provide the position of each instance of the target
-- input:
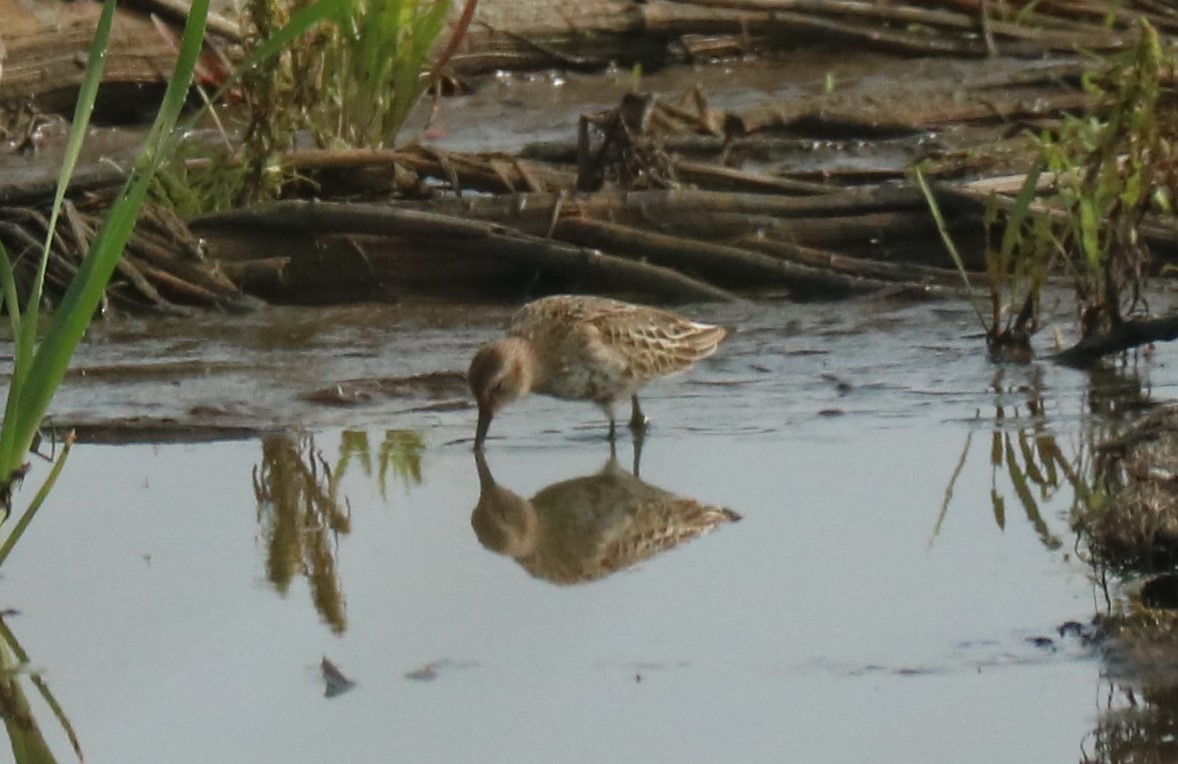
(178, 598)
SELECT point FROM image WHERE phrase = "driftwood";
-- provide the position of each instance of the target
(484, 242)
(739, 268)
(44, 45)
(163, 268)
(472, 240)
(507, 35)
(1129, 334)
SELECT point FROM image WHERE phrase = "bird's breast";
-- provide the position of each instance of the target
(590, 383)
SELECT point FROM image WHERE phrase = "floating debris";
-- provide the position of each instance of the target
(334, 680)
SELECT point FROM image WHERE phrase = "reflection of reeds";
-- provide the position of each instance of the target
(302, 513)
(1135, 725)
(1025, 451)
(399, 454)
(301, 519)
(24, 734)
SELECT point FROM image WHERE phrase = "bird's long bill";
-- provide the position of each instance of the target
(480, 433)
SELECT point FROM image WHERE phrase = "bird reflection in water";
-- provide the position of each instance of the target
(586, 528)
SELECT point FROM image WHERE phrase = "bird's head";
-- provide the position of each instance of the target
(500, 373)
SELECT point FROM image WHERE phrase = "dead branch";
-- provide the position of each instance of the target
(475, 239)
(717, 263)
(1129, 334)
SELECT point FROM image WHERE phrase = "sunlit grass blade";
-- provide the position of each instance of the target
(10, 640)
(8, 297)
(24, 735)
(81, 300)
(943, 229)
(300, 22)
(14, 438)
(42, 494)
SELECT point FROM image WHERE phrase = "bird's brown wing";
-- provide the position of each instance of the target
(653, 342)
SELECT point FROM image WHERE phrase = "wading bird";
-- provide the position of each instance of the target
(585, 348)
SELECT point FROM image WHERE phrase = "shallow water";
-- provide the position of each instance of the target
(851, 614)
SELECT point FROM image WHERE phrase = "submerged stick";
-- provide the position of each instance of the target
(1128, 335)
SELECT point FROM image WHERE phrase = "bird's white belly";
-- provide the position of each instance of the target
(595, 384)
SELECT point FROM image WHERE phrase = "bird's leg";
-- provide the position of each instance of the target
(613, 429)
(638, 421)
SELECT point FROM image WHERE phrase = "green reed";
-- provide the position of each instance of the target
(39, 362)
(376, 65)
(1082, 204)
(334, 73)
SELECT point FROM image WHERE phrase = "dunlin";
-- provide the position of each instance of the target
(585, 348)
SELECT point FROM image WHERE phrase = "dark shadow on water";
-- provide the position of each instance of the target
(589, 527)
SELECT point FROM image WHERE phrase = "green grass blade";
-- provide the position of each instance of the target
(8, 291)
(85, 292)
(20, 365)
(945, 237)
(300, 21)
(27, 517)
(87, 95)
(1021, 208)
(24, 735)
(14, 439)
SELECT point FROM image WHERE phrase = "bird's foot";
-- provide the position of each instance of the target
(638, 420)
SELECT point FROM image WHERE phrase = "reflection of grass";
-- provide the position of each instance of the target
(399, 454)
(1032, 462)
(1136, 724)
(1034, 465)
(302, 513)
(301, 518)
(24, 734)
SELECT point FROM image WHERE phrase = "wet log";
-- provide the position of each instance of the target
(34, 185)
(666, 209)
(865, 269)
(1130, 334)
(508, 35)
(489, 172)
(474, 240)
(720, 264)
(44, 47)
(46, 43)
